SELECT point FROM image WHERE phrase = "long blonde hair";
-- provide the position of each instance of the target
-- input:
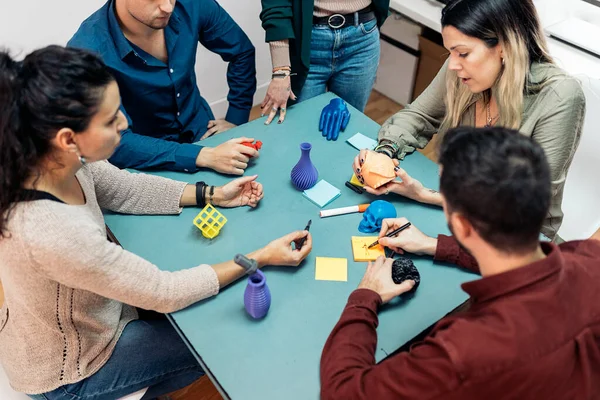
(514, 25)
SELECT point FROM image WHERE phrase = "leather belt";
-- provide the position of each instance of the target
(338, 21)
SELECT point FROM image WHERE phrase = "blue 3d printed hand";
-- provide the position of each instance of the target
(334, 117)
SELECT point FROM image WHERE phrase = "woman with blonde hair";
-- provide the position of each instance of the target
(499, 73)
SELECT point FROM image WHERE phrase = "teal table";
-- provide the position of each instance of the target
(278, 357)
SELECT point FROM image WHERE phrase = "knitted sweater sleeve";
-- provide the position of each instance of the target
(134, 193)
(74, 252)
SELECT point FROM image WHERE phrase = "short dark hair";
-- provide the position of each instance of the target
(500, 181)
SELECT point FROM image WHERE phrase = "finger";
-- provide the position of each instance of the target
(240, 155)
(245, 153)
(265, 101)
(403, 175)
(239, 164)
(345, 120)
(282, 113)
(246, 179)
(377, 192)
(386, 225)
(322, 120)
(326, 118)
(329, 125)
(337, 126)
(307, 247)
(210, 132)
(242, 140)
(268, 102)
(362, 156)
(271, 116)
(293, 96)
(293, 236)
(236, 171)
(211, 123)
(404, 287)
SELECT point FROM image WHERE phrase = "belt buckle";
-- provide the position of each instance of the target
(331, 25)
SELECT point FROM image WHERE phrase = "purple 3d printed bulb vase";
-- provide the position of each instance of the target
(257, 297)
(304, 175)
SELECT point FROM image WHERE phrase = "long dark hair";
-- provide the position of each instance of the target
(51, 89)
(514, 24)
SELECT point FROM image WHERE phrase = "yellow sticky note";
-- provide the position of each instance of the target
(361, 250)
(331, 269)
(354, 180)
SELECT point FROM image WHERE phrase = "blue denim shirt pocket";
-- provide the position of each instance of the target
(369, 26)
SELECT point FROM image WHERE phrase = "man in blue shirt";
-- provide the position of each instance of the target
(150, 47)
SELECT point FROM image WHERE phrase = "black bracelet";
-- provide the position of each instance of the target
(212, 191)
(200, 194)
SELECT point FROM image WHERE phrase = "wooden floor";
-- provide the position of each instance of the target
(379, 109)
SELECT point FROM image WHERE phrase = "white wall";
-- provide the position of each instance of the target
(29, 24)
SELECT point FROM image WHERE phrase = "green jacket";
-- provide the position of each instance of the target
(292, 19)
(552, 116)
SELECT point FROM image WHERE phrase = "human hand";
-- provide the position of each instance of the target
(239, 192)
(230, 157)
(280, 252)
(217, 126)
(407, 186)
(378, 278)
(410, 239)
(334, 117)
(359, 160)
(278, 93)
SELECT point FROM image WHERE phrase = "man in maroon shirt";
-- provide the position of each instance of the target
(532, 330)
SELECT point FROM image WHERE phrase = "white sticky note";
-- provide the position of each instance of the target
(360, 142)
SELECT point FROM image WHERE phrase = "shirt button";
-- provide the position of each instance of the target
(178, 113)
(186, 170)
(178, 94)
(171, 70)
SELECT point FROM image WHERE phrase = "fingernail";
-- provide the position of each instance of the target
(396, 168)
(358, 170)
(278, 122)
(362, 160)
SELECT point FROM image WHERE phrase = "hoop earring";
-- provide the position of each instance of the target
(503, 61)
(82, 160)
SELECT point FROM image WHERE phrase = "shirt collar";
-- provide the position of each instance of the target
(121, 43)
(488, 288)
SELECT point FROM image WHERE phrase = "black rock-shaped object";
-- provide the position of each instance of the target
(404, 269)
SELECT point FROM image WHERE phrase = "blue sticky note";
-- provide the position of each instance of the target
(360, 142)
(322, 193)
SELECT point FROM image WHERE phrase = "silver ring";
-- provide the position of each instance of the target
(274, 109)
(336, 26)
(387, 191)
(282, 109)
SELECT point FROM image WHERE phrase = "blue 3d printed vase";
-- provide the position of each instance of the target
(304, 175)
(257, 297)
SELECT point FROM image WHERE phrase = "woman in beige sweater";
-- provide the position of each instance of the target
(499, 73)
(69, 325)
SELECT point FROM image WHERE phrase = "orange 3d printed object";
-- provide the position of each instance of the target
(210, 221)
(377, 170)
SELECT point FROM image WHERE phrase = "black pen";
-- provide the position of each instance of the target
(301, 241)
(392, 233)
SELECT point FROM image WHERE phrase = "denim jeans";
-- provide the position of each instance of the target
(343, 61)
(149, 353)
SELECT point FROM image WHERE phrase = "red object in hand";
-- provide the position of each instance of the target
(256, 146)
